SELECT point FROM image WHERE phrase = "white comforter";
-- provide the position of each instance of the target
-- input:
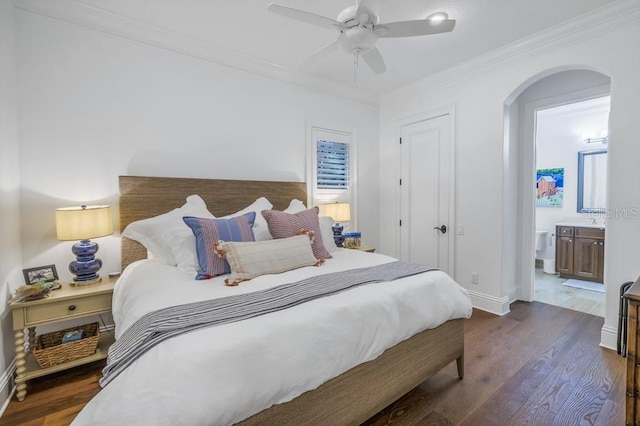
(221, 375)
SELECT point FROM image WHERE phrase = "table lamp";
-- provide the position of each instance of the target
(339, 212)
(82, 223)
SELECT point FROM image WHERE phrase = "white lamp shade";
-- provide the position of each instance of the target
(83, 222)
(340, 212)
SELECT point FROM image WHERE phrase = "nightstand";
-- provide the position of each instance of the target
(67, 303)
(363, 248)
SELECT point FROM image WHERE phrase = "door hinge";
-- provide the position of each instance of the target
(400, 141)
(400, 181)
(400, 222)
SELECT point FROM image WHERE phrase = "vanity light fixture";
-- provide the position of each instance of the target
(601, 137)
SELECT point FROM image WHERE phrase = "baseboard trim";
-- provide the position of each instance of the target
(609, 338)
(7, 387)
(485, 302)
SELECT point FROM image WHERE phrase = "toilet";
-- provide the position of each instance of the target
(549, 265)
(541, 241)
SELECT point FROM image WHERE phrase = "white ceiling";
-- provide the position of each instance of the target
(246, 27)
(578, 118)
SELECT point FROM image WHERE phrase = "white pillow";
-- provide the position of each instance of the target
(152, 232)
(260, 228)
(326, 225)
(295, 206)
(184, 248)
(252, 259)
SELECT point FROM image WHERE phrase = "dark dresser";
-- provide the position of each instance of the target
(632, 413)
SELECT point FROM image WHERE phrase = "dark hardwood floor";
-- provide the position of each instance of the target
(538, 365)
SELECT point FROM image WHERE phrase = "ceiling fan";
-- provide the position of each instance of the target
(359, 31)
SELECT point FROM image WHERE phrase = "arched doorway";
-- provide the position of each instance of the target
(550, 89)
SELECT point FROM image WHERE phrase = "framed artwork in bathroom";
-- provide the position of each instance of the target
(550, 187)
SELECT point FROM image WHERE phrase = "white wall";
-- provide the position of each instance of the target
(90, 107)
(93, 106)
(479, 97)
(10, 246)
(559, 139)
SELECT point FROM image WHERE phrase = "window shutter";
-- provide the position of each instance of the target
(332, 165)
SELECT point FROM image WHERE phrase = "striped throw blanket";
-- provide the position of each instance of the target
(163, 324)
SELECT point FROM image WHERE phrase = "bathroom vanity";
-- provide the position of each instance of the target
(580, 251)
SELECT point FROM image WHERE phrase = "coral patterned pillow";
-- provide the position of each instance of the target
(210, 231)
(285, 225)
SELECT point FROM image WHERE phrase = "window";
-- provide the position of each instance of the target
(331, 166)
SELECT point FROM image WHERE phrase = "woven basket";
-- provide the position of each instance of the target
(50, 350)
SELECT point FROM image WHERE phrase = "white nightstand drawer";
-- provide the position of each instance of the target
(67, 309)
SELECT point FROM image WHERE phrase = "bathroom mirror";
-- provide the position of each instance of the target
(592, 181)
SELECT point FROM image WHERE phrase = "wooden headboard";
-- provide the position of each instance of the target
(144, 197)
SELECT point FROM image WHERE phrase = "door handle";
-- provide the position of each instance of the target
(442, 229)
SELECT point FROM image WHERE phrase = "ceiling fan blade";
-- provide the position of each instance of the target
(373, 58)
(304, 16)
(319, 54)
(362, 12)
(414, 28)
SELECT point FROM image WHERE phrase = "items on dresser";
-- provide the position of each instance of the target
(632, 412)
(352, 240)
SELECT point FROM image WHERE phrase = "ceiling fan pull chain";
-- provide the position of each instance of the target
(355, 63)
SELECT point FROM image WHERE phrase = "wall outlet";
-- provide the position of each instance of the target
(460, 229)
(474, 278)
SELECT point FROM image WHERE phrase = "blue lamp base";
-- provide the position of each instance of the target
(338, 238)
(86, 266)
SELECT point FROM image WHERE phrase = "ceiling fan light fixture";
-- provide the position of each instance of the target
(437, 17)
(359, 31)
(357, 38)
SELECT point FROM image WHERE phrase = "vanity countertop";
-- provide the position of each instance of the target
(582, 224)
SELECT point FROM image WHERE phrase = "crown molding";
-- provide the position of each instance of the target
(100, 20)
(598, 22)
(619, 14)
(600, 104)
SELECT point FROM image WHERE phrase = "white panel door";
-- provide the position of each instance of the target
(424, 192)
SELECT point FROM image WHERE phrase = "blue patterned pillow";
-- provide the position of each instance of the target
(210, 231)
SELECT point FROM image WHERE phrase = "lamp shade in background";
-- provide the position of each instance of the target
(82, 223)
(339, 212)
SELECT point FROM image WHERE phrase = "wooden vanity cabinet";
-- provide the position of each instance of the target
(564, 250)
(580, 252)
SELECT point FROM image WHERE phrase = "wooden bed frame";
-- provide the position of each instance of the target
(354, 396)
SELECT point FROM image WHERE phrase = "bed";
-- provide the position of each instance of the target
(176, 383)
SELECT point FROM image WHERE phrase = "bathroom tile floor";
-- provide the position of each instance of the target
(549, 290)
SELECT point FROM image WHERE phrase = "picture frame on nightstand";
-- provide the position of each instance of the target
(40, 274)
